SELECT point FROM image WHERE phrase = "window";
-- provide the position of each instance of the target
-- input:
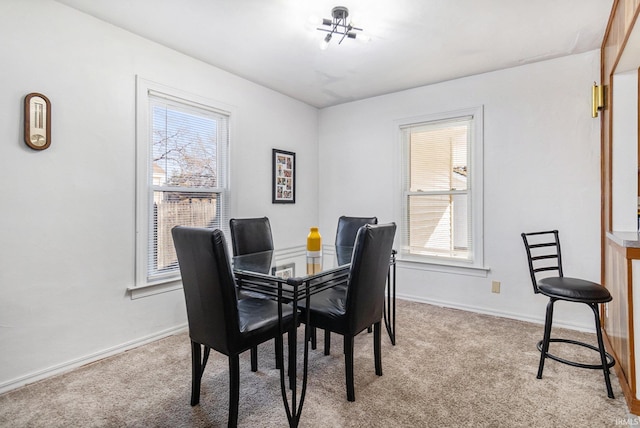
(442, 189)
(182, 175)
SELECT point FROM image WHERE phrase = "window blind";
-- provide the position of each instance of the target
(187, 176)
(437, 188)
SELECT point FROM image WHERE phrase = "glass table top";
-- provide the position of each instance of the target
(294, 266)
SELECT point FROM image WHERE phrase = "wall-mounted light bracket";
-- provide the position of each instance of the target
(597, 99)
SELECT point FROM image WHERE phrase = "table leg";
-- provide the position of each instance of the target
(390, 301)
(293, 405)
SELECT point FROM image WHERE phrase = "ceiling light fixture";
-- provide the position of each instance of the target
(337, 25)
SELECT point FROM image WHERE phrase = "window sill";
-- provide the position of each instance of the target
(451, 267)
(153, 289)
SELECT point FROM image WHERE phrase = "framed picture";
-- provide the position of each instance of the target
(284, 177)
(285, 271)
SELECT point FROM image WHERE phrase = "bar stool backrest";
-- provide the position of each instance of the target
(543, 255)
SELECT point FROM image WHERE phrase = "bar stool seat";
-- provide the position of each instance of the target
(574, 290)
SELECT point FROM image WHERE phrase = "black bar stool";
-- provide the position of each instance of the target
(543, 253)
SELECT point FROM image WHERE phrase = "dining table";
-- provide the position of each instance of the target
(289, 277)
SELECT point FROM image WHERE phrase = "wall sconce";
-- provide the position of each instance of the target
(37, 121)
(597, 99)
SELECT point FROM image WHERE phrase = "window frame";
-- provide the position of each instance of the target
(475, 192)
(145, 187)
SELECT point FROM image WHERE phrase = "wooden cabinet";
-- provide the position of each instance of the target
(621, 248)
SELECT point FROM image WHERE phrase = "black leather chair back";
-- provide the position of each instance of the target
(346, 235)
(209, 287)
(250, 235)
(348, 229)
(368, 276)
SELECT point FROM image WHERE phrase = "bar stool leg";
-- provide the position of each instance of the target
(547, 336)
(603, 357)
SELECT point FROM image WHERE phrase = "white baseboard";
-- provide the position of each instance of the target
(79, 362)
(502, 314)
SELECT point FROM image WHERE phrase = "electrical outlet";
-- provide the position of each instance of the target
(495, 286)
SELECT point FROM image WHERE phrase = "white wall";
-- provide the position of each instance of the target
(67, 225)
(541, 171)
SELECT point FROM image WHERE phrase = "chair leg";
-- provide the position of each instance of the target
(327, 342)
(196, 372)
(377, 342)
(348, 367)
(234, 389)
(603, 357)
(314, 338)
(278, 350)
(254, 358)
(547, 336)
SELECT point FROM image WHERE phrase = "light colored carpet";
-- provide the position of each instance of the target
(450, 368)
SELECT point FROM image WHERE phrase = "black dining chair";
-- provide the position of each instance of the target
(218, 320)
(345, 237)
(350, 310)
(250, 235)
(545, 268)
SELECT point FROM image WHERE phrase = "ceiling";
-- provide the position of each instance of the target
(413, 42)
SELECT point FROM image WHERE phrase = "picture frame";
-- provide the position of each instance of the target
(285, 271)
(283, 177)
